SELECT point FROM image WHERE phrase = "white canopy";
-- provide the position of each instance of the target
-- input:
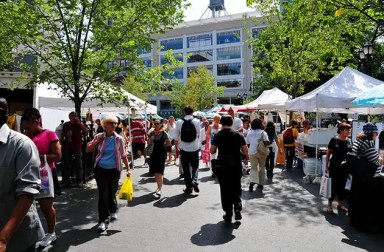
(48, 98)
(272, 99)
(337, 94)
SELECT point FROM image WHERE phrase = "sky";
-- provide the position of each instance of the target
(198, 7)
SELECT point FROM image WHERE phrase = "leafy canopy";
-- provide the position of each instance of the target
(79, 43)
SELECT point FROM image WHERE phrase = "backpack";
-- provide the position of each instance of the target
(288, 137)
(188, 131)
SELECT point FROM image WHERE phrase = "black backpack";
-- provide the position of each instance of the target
(288, 137)
(188, 131)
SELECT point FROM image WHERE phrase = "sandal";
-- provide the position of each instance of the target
(330, 210)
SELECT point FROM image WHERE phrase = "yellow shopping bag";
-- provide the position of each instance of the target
(126, 190)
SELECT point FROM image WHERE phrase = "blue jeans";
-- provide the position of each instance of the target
(190, 159)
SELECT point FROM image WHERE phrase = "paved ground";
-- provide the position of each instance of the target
(287, 216)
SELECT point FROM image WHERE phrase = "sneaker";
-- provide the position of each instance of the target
(195, 187)
(101, 227)
(238, 215)
(47, 240)
(113, 216)
(181, 176)
(251, 186)
(158, 193)
(261, 187)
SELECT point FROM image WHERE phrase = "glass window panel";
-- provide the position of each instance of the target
(228, 69)
(200, 56)
(144, 51)
(177, 73)
(173, 44)
(229, 83)
(199, 40)
(194, 69)
(229, 53)
(256, 31)
(228, 37)
(164, 60)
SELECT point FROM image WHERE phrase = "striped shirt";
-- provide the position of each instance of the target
(120, 150)
(367, 148)
(138, 132)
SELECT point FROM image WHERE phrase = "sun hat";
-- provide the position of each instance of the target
(369, 128)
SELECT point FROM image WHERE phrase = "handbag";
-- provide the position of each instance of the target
(326, 187)
(262, 149)
(47, 189)
(126, 190)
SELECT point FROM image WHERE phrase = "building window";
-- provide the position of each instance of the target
(111, 64)
(194, 69)
(229, 53)
(124, 63)
(199, 40)
(229, 83)
(164, 60)
(200, 56)
(144, 51)
(228, 37)
(147, 62)
(166, 105)
(174, 44)
(177, 73)
(153, 103)
(228, 69)
(256, 31)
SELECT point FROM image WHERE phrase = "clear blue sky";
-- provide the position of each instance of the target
(198, 7)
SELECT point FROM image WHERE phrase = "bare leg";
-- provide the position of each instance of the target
(159, 181)
(49, 212)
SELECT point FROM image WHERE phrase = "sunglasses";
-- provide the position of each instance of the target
(156, 124)
(112, 123)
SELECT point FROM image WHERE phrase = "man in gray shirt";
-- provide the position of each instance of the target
(20, 226)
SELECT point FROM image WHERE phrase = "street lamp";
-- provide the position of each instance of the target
(365, 53)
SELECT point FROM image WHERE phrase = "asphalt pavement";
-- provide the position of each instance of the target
(288, 215)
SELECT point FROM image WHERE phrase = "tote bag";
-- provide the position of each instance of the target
(262, 149)
(325, 187)
(47, 189)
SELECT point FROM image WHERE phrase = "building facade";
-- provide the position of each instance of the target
(218, 43)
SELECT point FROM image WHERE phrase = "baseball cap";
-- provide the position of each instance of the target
(369, 128)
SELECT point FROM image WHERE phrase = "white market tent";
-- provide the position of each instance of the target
(271, 99)
(337, 94)
(54, 108)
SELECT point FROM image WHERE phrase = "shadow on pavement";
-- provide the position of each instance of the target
(143, 199)
(173, 201)
(215, 234)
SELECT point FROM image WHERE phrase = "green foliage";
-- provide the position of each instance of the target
(78, 41)
(298, 45)
(199, 92)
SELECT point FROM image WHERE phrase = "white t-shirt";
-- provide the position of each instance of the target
(192, 146)
(252, 139)
(237, 123)
(172, 130)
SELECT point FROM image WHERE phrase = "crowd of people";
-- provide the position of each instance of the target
(231, 147)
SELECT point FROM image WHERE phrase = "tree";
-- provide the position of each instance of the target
(199, 92)
(302, 41)
(80, 43)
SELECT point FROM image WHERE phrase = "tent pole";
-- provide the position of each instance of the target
(317, 140)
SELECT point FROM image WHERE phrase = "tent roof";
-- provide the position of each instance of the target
(337, 94)
(271, 99)
(48, 98)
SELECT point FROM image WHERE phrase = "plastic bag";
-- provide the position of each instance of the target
(325, 187)
(47, 189)
(126, 190)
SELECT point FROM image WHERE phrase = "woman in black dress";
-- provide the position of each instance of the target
(338, 148)
(157, 158)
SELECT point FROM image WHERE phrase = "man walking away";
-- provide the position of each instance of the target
(20, 226)
(289, 137)
(187, 131)
(229, 143)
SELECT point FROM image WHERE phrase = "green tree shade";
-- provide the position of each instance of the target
(199, 92)
(298, 45)
(79, 43)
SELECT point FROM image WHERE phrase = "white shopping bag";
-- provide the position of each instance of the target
(326, 187)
